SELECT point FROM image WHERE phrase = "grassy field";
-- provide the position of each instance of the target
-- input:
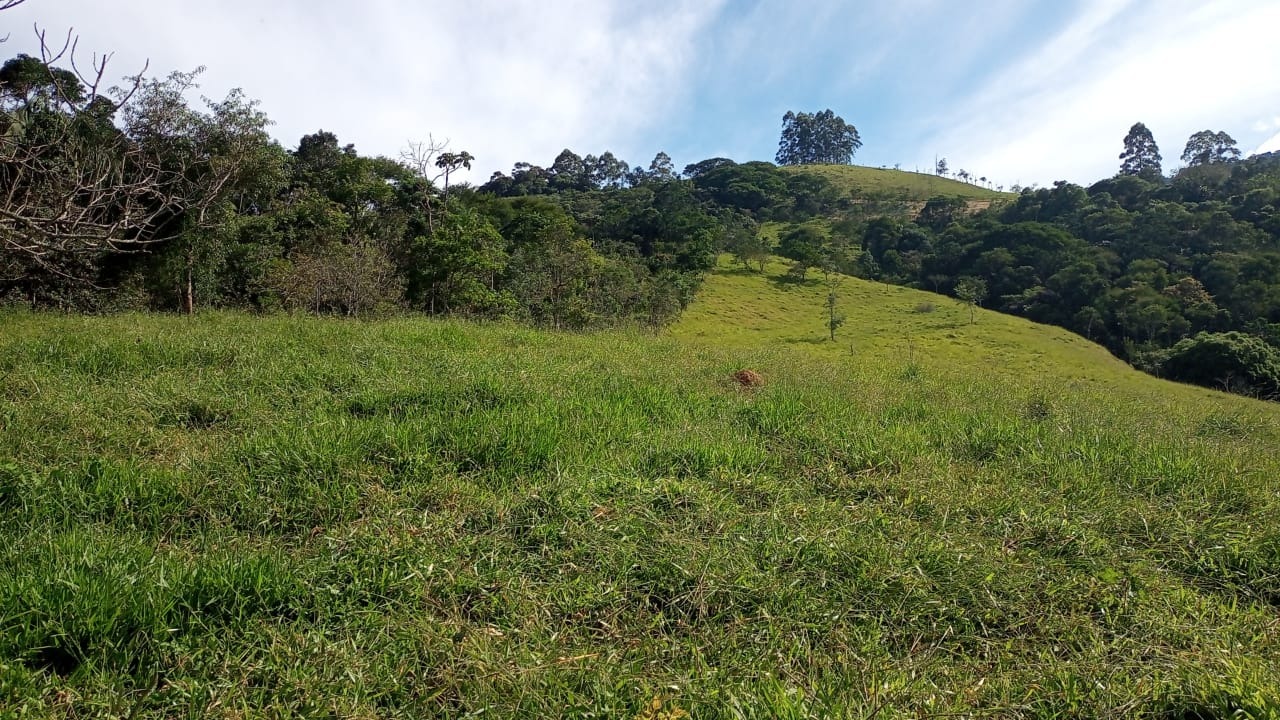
(901, 184)
(234, 516)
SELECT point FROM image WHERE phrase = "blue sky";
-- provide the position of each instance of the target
(1021, 91)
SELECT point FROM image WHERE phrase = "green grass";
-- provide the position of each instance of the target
(896, 184)
(233, 516)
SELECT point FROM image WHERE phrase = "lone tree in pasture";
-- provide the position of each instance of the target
(817, 138)
(1141, 156)
(834, 318)
(971, 291)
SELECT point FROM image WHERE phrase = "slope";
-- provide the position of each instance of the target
(894, 184)
(289, 516)
(896, 325)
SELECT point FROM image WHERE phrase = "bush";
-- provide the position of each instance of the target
(1233, 360)
(925, 307)
(344, 279)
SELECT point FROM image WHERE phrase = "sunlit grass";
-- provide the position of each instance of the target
(898, 184)
(246, 516)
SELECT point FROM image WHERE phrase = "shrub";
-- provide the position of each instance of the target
(1231, 360)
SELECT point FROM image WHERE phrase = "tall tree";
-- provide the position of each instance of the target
(1208, 147)
(1141, 156)
(817, 138)
(835, 319)
(209, 158)
(571, 172)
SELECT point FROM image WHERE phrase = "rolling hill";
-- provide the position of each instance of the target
(234, 515)
(896, 184)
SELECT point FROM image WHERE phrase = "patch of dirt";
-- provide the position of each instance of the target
(748, 378)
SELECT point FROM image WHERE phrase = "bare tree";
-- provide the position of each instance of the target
(5, 5)
(429, 161)
(88, 171)
(74, 185)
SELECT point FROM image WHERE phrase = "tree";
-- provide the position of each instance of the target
(805, 245)
(1207, 147)
(571, 172)
(351, 280)
(420, 157)
(449, 163)
(607, 171)
(1141, 156)
(456, 268)
(971, 291)
(76, 188)
(940, 167)
(817, 138)
(207, 158)
(693, 170)
(834, 319)
(661, 170)
(743, 241)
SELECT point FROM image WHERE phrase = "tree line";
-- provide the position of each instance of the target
(134, 198)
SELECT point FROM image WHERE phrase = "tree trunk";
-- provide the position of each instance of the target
(189, 291)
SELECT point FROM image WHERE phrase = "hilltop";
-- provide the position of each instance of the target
(232, 514)
(885, 183)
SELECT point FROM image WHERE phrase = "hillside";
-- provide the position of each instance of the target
(895, 184)
(891, 323)
(233, 515)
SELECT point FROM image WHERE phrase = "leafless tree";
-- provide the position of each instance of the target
(429, 161)
(74, 186)
(88, 171)
(5, 5)
(420, 157)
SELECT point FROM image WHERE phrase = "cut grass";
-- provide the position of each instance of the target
(247, 516)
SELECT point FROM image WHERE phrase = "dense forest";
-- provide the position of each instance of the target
(136, 198)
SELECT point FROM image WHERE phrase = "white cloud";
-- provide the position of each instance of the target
(1062, 112)
(1263, 126)
(507, 81)
(1271, 145)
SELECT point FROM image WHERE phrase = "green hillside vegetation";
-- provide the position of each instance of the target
(231, 515)
(862, 181)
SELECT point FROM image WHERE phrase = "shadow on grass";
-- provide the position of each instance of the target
(739, 271)
(790, 282)
(807, 341)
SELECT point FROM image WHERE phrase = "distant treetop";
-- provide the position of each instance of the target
(822, 138)
(1141, 157)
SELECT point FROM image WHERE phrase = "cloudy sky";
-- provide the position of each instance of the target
(1020, 91)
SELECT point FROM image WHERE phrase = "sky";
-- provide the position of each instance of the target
(1018, 91)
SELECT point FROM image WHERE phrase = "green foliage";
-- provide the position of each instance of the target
(971, 291)
(1232, 360)
(1141, 156)
(835, 319)
(458, 267)
(1207, 147)
(821, 138)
